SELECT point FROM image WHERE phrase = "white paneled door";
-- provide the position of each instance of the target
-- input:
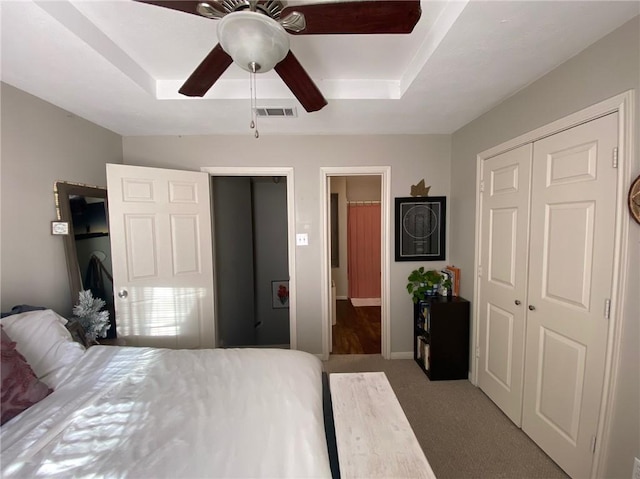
(503, 282)
(570, 283)
(547, 236)
(160, 226)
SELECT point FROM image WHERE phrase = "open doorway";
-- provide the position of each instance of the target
(259, 332)
(250, 256)
(355, 224)
(355, 227)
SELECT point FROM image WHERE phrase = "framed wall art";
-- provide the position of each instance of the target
(420, 228)
(279, 294)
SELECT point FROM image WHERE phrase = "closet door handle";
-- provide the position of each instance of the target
(123, 293)
(532, 307)
(518, 303)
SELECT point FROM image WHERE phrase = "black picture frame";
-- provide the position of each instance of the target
(421, 228)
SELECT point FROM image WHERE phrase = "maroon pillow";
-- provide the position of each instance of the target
(20, 386)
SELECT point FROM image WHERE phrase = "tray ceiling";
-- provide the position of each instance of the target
(120, 64)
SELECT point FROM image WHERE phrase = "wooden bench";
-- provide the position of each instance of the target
(373, 436)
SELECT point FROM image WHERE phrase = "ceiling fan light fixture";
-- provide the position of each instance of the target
(253, 40)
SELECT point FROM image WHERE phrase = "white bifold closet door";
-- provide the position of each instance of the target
(503, 281)
(543, 333)
(160, 224)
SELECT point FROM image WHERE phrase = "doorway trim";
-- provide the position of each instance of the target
(385, 244)
(291, 234)
(624, 105)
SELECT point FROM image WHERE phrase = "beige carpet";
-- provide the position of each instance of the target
(463, 433)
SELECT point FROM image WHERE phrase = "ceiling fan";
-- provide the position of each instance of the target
(254, 35)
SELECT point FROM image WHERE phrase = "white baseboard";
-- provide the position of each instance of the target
(402, 355)
(365, 302)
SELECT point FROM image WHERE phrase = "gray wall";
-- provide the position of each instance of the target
(271, 260)
(233, 260)
(42, 143)
(407, 154)
(605, 69)
(363, 188)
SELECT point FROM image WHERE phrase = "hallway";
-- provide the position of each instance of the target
(357, 330)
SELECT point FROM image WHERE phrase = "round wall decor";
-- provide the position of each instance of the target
(634, 199)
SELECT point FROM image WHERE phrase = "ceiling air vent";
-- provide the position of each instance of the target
(276, 112)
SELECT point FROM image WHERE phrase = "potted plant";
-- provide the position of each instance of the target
(423, 283)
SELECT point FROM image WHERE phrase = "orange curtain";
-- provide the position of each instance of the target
(363, 245)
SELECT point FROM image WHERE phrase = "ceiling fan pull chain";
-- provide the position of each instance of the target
(252, 125)
(253, 100)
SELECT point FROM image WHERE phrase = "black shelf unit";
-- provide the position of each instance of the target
(441, 337)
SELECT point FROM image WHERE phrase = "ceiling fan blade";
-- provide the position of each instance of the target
(300, 83)
(359, 17)
(203, 77)
(209, 9)
(188, 6)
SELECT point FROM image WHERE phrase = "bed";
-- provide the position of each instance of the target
(149, 413)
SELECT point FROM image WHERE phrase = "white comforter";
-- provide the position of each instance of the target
(151, 413)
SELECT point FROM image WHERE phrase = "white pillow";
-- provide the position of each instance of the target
(42, 338)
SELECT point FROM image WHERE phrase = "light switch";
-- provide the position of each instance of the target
(302, 239)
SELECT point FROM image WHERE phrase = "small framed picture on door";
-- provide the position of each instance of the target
(280, 294)
(420, 228)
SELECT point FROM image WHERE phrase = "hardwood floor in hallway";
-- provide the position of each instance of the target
(357, 330)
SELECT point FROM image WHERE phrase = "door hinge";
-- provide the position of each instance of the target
(593, 444)
(482, 186)
(477, 353)
(479, 271)
(615, 157)
(607, 308)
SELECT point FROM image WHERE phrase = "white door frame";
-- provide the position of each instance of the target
(291, 233)
(385, 256)
(624, 104)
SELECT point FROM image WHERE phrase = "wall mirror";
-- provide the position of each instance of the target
(87, 244)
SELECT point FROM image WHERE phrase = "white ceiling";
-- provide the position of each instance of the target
(120, 64)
